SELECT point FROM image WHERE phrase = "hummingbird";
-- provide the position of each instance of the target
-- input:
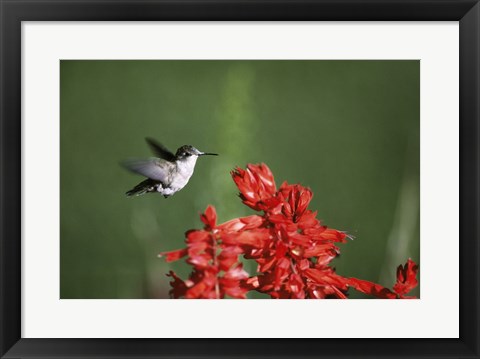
(166, 174)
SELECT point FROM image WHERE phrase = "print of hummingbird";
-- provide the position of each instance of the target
(167, 174)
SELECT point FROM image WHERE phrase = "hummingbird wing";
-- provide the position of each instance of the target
(153, 168)
(160, 150)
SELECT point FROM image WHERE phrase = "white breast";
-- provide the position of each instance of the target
(184, 172)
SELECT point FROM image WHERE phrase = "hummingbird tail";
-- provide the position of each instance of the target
(143, 187)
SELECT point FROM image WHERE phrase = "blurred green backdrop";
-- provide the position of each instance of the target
(349, 130)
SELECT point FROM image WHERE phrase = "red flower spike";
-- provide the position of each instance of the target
(406, 278)
(292, 248)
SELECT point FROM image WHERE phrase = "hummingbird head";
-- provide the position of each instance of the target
(187, 151)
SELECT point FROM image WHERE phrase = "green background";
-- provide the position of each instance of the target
(349, 130)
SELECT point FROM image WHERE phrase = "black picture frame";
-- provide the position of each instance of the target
(13, 12)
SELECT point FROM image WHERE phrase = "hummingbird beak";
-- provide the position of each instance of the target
(208, 154)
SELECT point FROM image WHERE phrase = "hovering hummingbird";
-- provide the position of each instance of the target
(167, 174)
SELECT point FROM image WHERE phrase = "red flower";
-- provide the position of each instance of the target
(209, 218)
(406, 281)
(406, 278)
(371, 288)
(217, 271)
(292, 248)
(256, 185)
(295, 235)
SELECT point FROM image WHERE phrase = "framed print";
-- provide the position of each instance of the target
(296, 151)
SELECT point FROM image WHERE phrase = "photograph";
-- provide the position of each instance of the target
(239, 179)
(282, 152)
